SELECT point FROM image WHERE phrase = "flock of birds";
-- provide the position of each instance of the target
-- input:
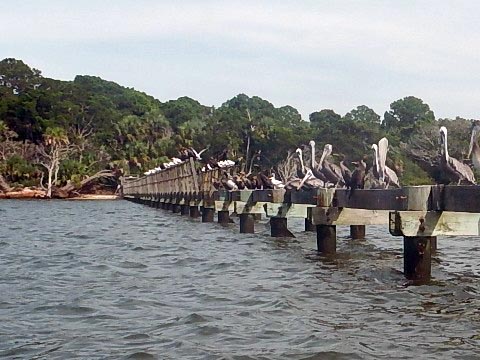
(321, 174)
(327, 174)
(187, 153)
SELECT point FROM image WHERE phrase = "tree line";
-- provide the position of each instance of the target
(60, 133)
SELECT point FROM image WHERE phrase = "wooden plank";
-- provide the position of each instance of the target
(242, 195)
(276, 196)
(435, 223)
(348, 216)
(378, 199)
(242, 207)
(326, 197)
(224, 206)
(407, 198)
(304, 196)
(194, 175)
(288, 210)
(461, 198)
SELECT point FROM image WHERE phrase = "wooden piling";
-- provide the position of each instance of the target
(208, 214)
(184, 209)
(176, 208)
(223, 217)
(327, 239)
(417, 263)
(247, 223)
(433, 244)
(278, 227)
(357, 232)
(194, 212)
(309, 226)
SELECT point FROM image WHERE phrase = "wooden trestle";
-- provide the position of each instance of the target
(418, 213)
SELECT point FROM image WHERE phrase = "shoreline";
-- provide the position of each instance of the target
(29, 194)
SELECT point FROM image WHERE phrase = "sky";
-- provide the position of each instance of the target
(311, 55)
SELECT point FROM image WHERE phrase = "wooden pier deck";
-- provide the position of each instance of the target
(418, 213)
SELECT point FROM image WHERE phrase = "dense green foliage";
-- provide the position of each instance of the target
(107, 125)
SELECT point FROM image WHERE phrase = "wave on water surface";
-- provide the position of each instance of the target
(116, 280)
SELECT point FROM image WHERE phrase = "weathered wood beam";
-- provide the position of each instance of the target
(287, 210)
(407, 198)
(461, 198)
(434, 223)
(225, 206)
(346, 216)
(242, 207)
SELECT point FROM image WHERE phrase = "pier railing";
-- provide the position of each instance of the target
(418, 213)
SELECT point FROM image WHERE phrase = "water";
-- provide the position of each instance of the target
(116, 280)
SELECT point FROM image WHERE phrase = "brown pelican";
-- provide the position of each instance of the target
(346, 172)
(454, 169)
(381, 171)
(227, 182)
(317, 168)
(238, 180)
(310, 174)
(310, 181)
(263, 181)
(358, 176)
(474, 149)
(277, 184)
(331, 171)
(303, 170)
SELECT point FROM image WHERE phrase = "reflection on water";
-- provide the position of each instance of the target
(117, 280)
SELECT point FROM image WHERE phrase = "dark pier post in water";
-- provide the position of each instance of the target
(357, 232)
(278, 227)
(417, 257)
(308, 222)
(247, 223)
(208, 214)
(184, 209)
(223, 217)
(194, 212)
(433, 244)
(176, 208)
(327, 239)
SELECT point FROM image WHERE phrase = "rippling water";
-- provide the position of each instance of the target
(112, 279)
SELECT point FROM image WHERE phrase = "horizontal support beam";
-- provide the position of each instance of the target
(434, 223)
(286, 210)
(346, 216)
(242, 207)
(410, 198)
(225, 206)
(461, 198)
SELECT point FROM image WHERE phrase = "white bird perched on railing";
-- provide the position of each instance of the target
(225, 163)
(277, 184)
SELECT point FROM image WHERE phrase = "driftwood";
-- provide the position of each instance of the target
(71, 189)
(4, 185)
